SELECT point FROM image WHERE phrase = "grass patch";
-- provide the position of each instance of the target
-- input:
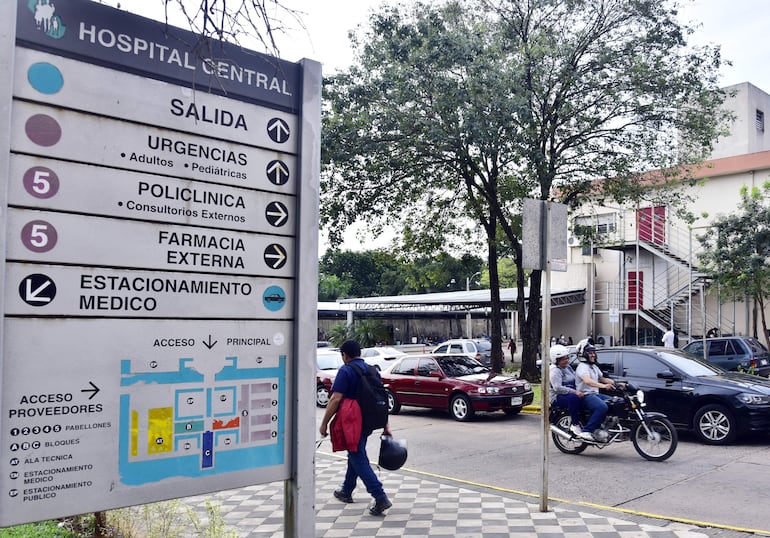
(167, 519)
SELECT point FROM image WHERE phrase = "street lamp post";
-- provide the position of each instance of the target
(468, 314)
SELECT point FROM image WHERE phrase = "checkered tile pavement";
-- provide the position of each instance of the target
(421, 507)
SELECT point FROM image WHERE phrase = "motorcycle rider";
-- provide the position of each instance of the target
(563, 385)
(589, 380)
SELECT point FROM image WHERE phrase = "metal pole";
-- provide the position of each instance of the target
(468, 314)
(689, 295)
(638, 304)
(545, 359)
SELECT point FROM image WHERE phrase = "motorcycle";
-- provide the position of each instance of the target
(653, 435)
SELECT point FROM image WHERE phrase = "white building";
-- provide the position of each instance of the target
(641, 277)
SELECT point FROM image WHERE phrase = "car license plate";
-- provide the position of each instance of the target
(516, 400)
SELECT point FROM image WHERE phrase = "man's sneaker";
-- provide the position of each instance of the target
(575, 429)
(380, 506)
(588, 436)
(342, 496)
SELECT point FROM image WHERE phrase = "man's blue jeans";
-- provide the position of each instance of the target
(594, 402)
(359, 467)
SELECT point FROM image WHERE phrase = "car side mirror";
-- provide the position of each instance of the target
(435, 374)
(668, 375)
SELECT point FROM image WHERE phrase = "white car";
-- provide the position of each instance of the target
(481, 350)
(381, 356)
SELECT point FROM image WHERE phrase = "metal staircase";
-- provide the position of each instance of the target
(678, 287)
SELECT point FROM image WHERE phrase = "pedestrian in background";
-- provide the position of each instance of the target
(343, 407)
(668, 338)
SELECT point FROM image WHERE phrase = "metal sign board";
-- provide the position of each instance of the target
(155, 191)
(541, 250)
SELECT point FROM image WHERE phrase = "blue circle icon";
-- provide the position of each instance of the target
(45, 78)
(274, 298)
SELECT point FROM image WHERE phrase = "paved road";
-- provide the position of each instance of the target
(723, 486)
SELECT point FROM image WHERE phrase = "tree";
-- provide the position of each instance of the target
(736, 249)
(455, 113)
(235, 22)
(367, 332)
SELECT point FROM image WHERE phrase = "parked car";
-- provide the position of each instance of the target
(456, 383)
(734, 353)
(481, 350)
(328, 361)
(696, 395)
(381, 356)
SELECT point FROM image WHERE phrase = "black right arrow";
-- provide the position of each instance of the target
(93, 389)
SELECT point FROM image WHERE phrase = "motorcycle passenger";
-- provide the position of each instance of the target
(563, 385)
(590, 380)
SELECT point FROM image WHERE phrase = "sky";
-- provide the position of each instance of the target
(740, 27)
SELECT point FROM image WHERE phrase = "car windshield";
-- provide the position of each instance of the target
(458, 366)
(483, 345)
(756, 346)
(330, 361)
(691, 366)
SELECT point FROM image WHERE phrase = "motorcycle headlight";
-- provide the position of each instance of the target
(754, 399)
(640, 396)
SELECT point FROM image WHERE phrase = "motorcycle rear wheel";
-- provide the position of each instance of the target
(660, 445)
(569, 446)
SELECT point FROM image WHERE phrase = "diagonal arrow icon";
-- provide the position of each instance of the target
(34, 295)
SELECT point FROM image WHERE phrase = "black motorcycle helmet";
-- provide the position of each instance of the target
(392, 453)
(586, 350)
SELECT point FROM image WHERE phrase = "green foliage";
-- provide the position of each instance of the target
(44, 529)
(339, 333)
(378, 273)
(367, 332)
(455, 112)
(167, 519)
(736, 248)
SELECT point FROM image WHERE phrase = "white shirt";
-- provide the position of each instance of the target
(668, 338)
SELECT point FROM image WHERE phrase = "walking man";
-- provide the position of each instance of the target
(345, 387)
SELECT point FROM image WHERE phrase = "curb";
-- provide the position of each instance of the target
(531, 409)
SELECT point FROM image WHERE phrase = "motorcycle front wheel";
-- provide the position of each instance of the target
(568, 445)
(657, 444)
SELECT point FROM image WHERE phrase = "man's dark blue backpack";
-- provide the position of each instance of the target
(372, 399)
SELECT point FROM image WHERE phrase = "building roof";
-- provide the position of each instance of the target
(457, 300)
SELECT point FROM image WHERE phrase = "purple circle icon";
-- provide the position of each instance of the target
(43, 130)
(41, 182)
(39, 236)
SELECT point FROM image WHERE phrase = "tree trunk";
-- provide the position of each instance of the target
(495, 303)
(766, 338)
(530, 320)
(100, 524)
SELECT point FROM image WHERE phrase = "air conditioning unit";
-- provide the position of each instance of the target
(573, 241)
(603, 340)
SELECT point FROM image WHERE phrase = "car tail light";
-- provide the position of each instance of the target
(753, 363)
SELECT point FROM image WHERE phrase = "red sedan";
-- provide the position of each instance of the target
(459, 384)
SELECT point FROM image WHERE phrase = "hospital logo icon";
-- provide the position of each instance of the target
(46, 19)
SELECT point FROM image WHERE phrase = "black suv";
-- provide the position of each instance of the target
(735, 353)
(695, 395)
